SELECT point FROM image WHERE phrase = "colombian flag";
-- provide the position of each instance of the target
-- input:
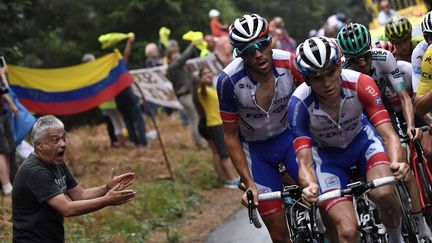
(70, 90)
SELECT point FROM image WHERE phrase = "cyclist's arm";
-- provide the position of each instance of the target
(298, 117)
(398, 83)
(408, 110)
(228, 112)
(306, 167)
(236, 153)
(370, 97)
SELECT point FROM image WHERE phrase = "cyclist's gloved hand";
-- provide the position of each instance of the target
(400, 170)
(310, 193)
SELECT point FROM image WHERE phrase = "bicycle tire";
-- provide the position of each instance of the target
(407, 220)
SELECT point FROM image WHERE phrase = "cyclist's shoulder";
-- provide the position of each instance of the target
(427, 61)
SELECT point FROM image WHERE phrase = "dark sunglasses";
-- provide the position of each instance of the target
(365, 57)
(251, 50)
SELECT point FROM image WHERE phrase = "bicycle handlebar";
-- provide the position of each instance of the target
(383, 181)
(362, 187)
(270, 196)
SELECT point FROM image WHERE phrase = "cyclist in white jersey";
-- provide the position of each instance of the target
(325, 115)
(380, 65)
(405, 69)
(254, 90)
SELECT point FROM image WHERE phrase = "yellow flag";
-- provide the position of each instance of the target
(164, 33)
(111, 39)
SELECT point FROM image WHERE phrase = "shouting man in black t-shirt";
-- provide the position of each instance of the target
(45, 191)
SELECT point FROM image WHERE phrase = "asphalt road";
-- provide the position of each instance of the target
(238, 230)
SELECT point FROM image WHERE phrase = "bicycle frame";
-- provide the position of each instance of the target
(421, 170)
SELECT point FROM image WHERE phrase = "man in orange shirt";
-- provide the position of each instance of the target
(216, 27)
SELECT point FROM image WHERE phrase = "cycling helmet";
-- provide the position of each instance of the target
(386, 45)
(354, 39)
(316, 55)
(397, 28)
(247, 29)
(427, 23)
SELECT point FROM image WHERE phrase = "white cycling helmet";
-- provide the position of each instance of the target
(316, 55)
(247, 29)
(213, 13)
(427, 23)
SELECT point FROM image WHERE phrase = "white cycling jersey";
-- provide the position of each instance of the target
(236, 90)
(309, 123)
(416, 59)
(383, 70)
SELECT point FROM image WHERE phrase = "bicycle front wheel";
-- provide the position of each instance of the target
(408, 224)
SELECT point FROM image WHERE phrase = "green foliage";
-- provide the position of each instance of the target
(156, 205)
(47, 33)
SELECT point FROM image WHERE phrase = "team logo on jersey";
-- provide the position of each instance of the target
(370, 151)
(331, 181)
(426, 75)
(379, 56)
(378, 101)
(428, 60)
(419, 57)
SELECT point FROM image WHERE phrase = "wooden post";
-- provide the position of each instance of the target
(167, 162)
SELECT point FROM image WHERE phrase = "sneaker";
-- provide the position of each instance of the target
(230, 184)
(7, 189)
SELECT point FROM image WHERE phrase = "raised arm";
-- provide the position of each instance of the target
(128, 50)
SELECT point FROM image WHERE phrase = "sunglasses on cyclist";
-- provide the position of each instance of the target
(365, 57)
(251, 50)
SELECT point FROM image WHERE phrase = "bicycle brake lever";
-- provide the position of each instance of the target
(250, 205)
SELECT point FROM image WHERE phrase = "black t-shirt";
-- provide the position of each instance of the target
(34, 220)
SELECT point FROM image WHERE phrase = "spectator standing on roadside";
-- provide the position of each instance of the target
(45, 191)
(211, 128)
(112, 116)
(217, 29)
(386, 12)
(128, 105)
(281, 39)
(182, 82)
(7, 144)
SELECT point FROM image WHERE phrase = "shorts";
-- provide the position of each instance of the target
(263, 158)
(202, 129)
(216, 135)
(332, 164)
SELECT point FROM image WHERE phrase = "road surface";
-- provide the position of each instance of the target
(238, 230)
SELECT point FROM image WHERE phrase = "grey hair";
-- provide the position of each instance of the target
(42, 124)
